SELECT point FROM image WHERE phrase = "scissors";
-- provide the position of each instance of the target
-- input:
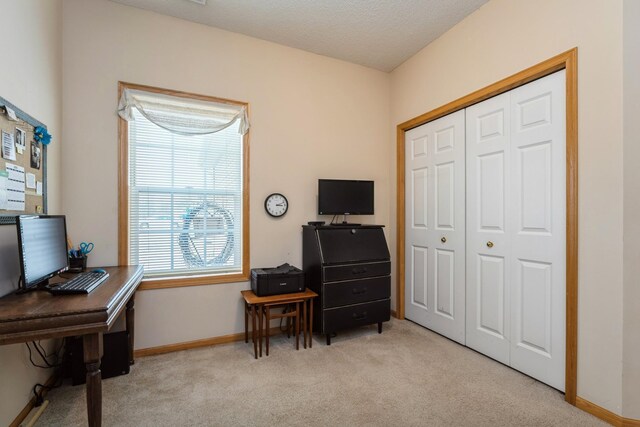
(86, 248)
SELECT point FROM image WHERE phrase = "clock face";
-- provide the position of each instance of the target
(276, 205)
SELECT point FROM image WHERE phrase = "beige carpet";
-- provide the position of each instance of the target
(405, 376)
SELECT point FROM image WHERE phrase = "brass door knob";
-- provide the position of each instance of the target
(489, 244)
(443, 240)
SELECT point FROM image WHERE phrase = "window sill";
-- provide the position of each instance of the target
(180, 282)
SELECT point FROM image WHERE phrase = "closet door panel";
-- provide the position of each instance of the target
(419, 220)
(490, 290)
(445, 196)
(418, 279)
(538, 140)
(487, 158)
(532, 295)
(435, 232)
(445, 286)
(490, 195)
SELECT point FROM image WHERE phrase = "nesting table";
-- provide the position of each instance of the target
(260, 307)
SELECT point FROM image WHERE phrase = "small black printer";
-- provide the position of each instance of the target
(283, 279)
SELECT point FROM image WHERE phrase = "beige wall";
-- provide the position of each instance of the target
(311, 117)
(30, 77)
(500, 39)
(317, 117)
(631, 361)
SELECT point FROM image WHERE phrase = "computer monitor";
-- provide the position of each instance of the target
(345, 197)
(42, 244)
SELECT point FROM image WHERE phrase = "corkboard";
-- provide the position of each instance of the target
(34, 204)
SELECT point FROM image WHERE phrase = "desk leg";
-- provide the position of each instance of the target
(246, 322)
(288, 327)
(130, 316)
(304, 322)
(92, 346)
(267, 327)
(260, 328)
(254, 331)
(310, 322)
(297, 326)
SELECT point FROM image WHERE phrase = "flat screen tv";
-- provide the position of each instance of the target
(345, 197)
(42, 244)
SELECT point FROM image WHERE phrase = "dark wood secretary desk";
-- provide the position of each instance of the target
(39, 315)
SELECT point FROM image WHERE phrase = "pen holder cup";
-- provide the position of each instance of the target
(77, 265)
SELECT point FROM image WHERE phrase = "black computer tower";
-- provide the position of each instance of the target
(114, 362)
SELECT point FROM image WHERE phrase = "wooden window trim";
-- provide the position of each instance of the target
(123, 199)
(569, 62)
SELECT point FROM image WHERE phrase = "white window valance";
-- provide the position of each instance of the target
(183, 116)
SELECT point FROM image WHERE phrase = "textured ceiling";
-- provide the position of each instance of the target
(380, 34)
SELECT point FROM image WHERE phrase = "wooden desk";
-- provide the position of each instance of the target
(255, 305)
(39, 315)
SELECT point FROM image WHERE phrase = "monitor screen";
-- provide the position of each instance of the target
(345, 197)
(42, 244)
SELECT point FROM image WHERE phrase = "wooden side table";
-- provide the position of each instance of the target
(250, 309)
(255, 305)
(288, 315)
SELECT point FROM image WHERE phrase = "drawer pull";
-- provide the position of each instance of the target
(359, 270)
(357, 291)
(360, 316)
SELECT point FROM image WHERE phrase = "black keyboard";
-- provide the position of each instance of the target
(81, 284)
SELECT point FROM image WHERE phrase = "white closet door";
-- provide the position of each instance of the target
(538, 212)
(488, 211)
(435, 226)
(516, 231)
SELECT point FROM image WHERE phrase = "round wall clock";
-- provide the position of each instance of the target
(276, 205)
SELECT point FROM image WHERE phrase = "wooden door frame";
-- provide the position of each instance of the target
(569, 62)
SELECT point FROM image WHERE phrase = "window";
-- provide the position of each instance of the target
(183, 192)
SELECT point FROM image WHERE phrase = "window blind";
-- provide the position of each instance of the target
(185, 200)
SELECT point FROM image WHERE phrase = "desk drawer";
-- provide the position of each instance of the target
(356, 271)
(356, 291)
(356, 315)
